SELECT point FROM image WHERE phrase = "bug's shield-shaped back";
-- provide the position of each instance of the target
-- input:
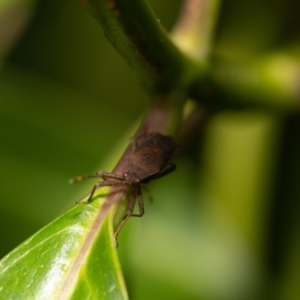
(151, 155)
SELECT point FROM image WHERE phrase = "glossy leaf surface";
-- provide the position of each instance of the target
(74, 257)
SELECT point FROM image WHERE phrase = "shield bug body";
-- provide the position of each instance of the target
(150, 159)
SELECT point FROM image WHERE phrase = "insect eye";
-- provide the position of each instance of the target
(125, 174)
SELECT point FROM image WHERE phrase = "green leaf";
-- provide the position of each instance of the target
(74, 257)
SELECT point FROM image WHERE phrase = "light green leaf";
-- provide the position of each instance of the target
(74, 257)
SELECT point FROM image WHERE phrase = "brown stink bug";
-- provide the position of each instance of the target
(150, 159)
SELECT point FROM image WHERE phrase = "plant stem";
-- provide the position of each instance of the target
(193, 31)
(164, 117)
(136, 33)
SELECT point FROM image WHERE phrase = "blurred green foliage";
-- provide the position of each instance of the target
(225, 225)
(66, 98)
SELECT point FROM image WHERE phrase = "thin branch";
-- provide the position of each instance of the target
(163, 117)
(136, 33)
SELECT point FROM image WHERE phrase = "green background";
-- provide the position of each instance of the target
(223, 226)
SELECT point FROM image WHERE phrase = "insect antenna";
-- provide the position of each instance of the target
(82, 177)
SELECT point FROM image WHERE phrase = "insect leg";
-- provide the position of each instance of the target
(136, 195)
(105, 175)
(131, 204)
(150, 198)
(101, 174)
(82, 177)
(140, 203)
(101, 184)
(167, 170)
